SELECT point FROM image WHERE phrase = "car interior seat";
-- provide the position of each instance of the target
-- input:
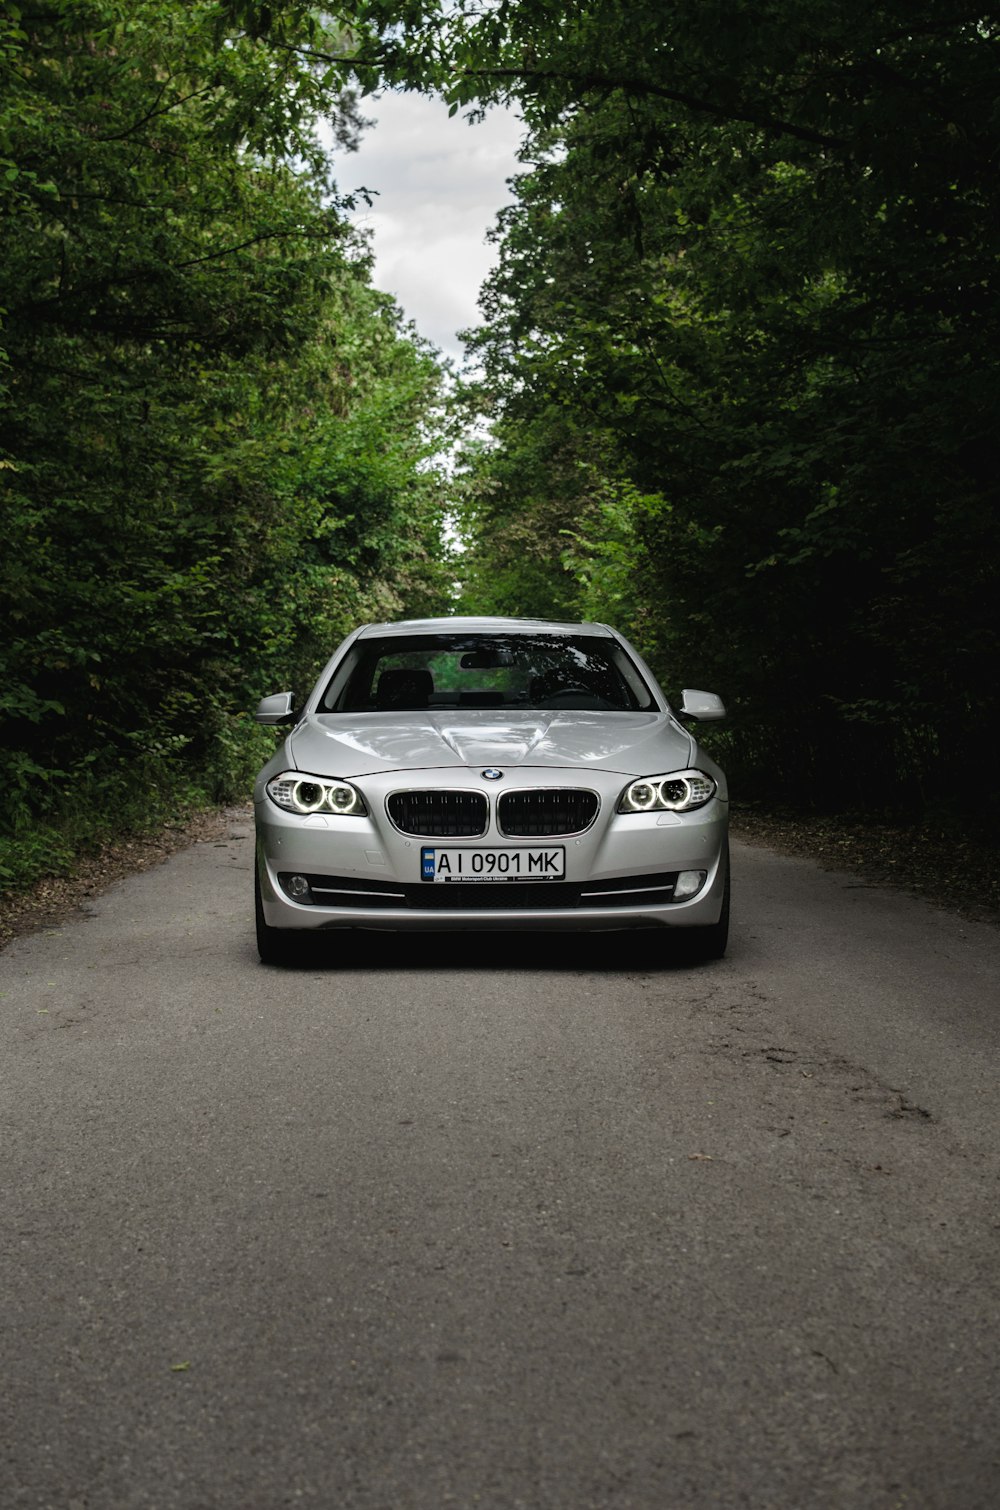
(401, 688)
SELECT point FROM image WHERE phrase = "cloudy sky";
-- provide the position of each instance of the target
(440, 183)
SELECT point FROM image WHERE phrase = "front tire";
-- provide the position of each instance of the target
(710, 942)
(276, 946)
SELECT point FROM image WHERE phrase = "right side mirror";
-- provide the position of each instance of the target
(703, 707)
(279, 709)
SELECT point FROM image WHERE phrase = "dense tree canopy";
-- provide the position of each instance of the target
(737, 358)
(739, 353)
(214, 436)
(769, 314)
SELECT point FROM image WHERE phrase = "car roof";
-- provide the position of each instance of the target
(485, 625)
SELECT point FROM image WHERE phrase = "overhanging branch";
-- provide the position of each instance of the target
(585, 82)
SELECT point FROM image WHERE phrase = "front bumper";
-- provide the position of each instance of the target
(368, 854)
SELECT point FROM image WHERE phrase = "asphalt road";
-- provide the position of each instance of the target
(501, 1224)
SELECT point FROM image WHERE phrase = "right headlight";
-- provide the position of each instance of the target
(677, 793)
(315, 794)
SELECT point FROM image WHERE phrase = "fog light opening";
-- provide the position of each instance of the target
(298, 888)
(689, 883)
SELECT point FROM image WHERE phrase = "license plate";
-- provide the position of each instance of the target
(447, 864)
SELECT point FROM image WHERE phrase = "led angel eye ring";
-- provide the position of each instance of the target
(308, 796)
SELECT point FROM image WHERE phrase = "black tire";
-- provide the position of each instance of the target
(276, 946)
(710, 943)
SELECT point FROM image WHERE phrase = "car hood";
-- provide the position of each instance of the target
(360, 744)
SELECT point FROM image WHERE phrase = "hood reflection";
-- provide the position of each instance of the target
(353, 744)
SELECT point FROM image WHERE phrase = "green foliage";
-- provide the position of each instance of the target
(739, 359)
(215, 436)
(738, 363)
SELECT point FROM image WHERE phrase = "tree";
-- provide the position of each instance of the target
(752, 267)
(778, 302)
(215, 435)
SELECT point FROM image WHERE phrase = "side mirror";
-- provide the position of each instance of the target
(703, 707)
(279, 709)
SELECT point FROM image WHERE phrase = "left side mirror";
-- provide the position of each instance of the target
(279, 709)
(703, 707)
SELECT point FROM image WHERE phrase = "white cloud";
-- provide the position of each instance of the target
(439, 183)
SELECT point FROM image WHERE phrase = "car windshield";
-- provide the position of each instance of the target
(514, 671)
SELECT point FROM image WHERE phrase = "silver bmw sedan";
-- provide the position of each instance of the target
(490, 774)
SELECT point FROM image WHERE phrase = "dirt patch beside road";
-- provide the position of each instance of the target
(950, 869)
(50, 900)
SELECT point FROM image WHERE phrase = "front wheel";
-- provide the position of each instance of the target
(276, 946)
(709, 942)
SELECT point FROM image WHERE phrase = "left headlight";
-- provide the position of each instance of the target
(677, 793)
(315, 794)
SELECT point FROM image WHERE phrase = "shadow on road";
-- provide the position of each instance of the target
(627, 952)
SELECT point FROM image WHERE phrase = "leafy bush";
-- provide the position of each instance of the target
(214, 434)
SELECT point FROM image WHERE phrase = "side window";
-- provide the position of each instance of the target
(637, 693)
(346, 684)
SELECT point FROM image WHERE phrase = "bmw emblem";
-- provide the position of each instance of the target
(492, 774)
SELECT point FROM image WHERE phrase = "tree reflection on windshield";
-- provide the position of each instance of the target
(512, 671)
